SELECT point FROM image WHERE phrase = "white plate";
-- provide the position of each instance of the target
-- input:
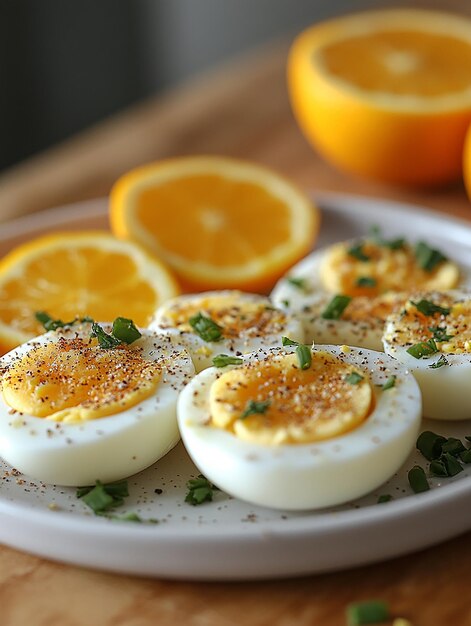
(227, 539)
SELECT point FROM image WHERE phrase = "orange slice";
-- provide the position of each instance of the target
(217, 222)
(78, 274)
(386, 94)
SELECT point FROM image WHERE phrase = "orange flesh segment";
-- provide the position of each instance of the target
(97, 283)
(218, 205)
(416, 63)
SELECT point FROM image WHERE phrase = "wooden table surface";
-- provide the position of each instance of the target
(240, 110)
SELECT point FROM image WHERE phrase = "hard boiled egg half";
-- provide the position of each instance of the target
(300, 428)
(431, 336)
(72, 412)
(226, 322)
(343, 293)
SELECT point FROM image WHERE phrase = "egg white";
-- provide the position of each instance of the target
(307, 305)
(314, 475)
(203, 352)
(446, 391)
(106, 448)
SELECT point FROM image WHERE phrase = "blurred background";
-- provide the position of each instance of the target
(66, 65)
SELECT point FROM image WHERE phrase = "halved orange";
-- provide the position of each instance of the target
(217, 222)
(79, 274)
(386, 94)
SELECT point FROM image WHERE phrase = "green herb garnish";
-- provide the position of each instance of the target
(50, 323)
(105, 340)
(254, 407)
(102, 498)
(335, 308)
(392, 244)
(299, 283)
(428, 258)
(221, 360)
(423, 348)
(125, 330)
(417, 479)
(453, 446)
(199, 490)
(453, 466)
(390, 383)
(439, 333)
(430, 444)
(205, 327)
(440, 363)
(286, 341)
(366, 281)
(426, 307)
(385, 497)
(353, 378)
(285, 303)
(438, 468)
(356, 251)
(304, 355)
(370, 612)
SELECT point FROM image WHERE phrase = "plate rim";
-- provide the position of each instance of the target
(295, 529)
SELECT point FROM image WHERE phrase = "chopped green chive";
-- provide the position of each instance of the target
(286, 341)
(125, 330)
(205, 327)
(426, 307)
(102, 498)
(393, 244)
(445, 454)
(199, 490)
(353, 378)
(366, 281)
(453, 466)
(438, 468)
(304, 355)
(285, 303)
(453, 446)
(423, 348)
(299, 283)
(390, 383)
(253, 407)
(356, 251)
(440, 363)
(50, 323)
(430, 444)
(428, 258)
(385, 497)
(336, 307)
(105, 340)
(417, 479)
(439, 333)
(370, 612)
(221, 360)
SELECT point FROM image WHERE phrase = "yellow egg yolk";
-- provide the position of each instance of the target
(234, 315)
(450, 331)
(370, 310)
(369, 269)
(274, 401)
(73, 380)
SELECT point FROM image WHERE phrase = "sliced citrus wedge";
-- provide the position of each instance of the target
(386, 94)
(217, 222)
(78, 274)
